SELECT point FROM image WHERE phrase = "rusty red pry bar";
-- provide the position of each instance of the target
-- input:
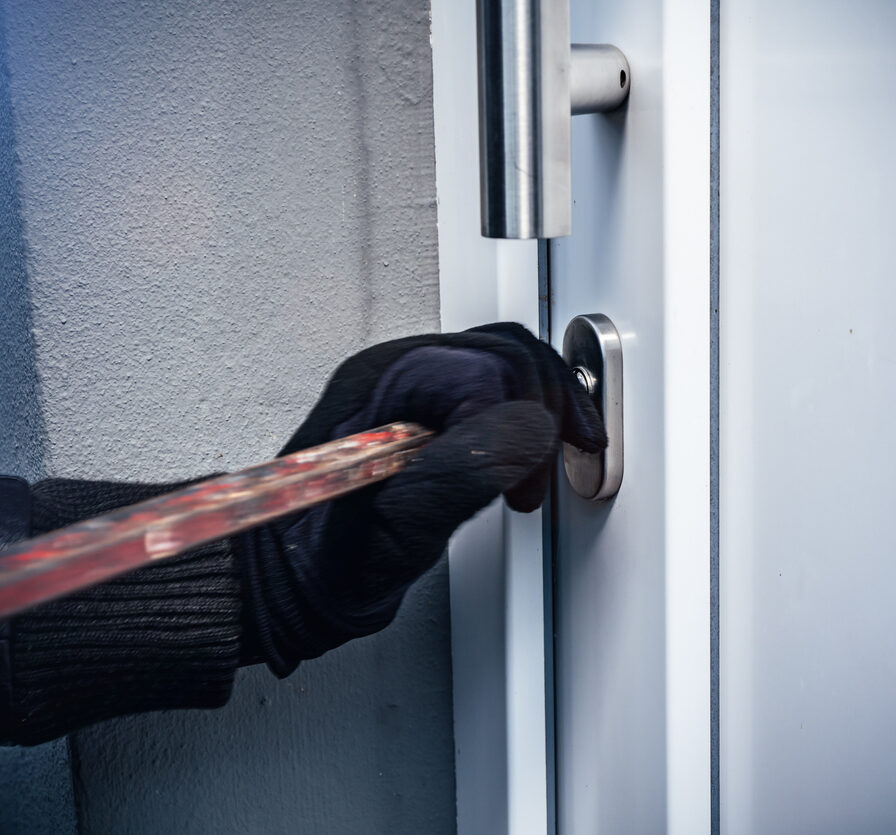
(89, 552)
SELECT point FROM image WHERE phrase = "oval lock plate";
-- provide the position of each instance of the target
(593, 349)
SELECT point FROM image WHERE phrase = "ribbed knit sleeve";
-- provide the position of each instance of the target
(165, 636)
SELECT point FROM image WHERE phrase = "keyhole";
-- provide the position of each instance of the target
(586, 378)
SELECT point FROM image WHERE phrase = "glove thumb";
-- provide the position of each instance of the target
(406, 521)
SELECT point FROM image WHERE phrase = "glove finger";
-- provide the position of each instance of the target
(583, 425)
(580, 422)
(537, 373)
(349, 389)
(530, 492)
(437, 386)
(348, 393)
(458, 474)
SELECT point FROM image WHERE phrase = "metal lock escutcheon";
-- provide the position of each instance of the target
(593, 350)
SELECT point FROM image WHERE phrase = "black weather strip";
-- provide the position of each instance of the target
(715, 790)
(549, 551)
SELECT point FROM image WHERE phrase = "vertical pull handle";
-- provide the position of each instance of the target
(530, 82)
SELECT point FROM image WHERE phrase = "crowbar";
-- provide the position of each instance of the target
(73, 558)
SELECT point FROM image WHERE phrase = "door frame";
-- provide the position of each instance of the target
(501, 651)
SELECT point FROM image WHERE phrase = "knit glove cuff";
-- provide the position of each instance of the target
(293, 618)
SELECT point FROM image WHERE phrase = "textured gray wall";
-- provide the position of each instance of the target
(207, 206)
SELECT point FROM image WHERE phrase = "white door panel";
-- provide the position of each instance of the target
(808, 654)
(632, 590)
(609, 609)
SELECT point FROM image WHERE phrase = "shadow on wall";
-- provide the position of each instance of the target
(21, 422)
(35, 783)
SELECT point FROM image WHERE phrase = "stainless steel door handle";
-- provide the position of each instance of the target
(530, 83)
(593, 349)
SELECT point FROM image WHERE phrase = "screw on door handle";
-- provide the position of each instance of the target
(593, 349)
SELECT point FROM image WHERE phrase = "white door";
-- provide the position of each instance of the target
(717, 648)
(614, 737)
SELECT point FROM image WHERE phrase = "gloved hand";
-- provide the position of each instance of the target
(500, 400)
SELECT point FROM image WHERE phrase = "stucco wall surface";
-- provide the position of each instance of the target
(206, 207)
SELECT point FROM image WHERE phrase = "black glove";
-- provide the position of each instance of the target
(170, 634)
(500, 401)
